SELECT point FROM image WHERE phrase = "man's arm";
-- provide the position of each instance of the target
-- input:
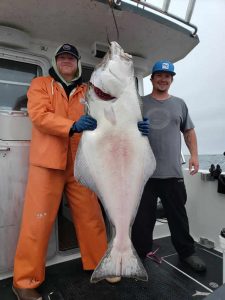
(41, 109)
(191, 142)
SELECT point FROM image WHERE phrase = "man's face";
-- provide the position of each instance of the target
(66, 65)
(161, 81)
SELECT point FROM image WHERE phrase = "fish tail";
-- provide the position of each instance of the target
(115, 263)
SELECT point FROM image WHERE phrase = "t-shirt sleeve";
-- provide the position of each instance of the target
(186, 122)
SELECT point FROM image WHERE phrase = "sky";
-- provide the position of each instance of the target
(200, 77)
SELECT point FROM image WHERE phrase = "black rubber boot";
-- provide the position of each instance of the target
(195, 262)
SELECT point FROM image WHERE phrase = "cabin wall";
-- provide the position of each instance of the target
(205, 208)
(17, 68)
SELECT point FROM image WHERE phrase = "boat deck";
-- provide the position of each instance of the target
(169, 280)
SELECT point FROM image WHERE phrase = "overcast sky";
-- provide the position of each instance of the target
(200, 78)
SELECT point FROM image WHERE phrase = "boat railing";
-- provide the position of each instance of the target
(164, 7)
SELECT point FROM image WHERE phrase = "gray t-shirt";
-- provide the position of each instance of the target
(168, 118)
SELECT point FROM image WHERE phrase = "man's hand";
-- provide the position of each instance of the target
(193, 165)
(144, 126)
(191, 142)
(85, 122)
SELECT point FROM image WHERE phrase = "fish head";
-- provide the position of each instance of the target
(113, 74)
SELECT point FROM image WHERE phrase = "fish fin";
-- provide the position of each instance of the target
(110, 115)
(81, 171)
(140, 101)
(86, 106)
(115, 263)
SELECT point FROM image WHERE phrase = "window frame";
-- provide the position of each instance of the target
(19, 56)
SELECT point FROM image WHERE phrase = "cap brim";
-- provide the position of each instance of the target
(77, 57)
(164, 71)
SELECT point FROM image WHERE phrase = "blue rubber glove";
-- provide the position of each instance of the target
(85, 122)
(144, 126)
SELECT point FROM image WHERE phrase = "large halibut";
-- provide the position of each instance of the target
(115, 160)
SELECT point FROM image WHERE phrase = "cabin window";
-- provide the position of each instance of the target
(86, 73)
(15, 78)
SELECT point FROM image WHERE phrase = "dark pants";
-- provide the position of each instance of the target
(173, 195)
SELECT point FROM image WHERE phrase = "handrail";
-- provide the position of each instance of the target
(165, 10)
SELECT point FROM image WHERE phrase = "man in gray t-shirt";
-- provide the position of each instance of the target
(169, 117)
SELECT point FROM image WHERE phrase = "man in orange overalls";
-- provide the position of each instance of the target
(57, 116)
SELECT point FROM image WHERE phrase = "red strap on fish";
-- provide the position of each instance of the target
(102, 95)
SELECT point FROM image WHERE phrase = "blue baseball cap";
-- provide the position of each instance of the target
(163, 66)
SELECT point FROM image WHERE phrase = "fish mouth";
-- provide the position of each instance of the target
(102, 95)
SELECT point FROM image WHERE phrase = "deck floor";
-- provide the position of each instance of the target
(169, 280)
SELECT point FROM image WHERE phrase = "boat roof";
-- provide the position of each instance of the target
(143, 33)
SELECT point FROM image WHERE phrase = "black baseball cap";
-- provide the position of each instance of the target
(67, 48)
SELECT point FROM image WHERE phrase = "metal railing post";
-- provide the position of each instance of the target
(166, 4)
(189, 11)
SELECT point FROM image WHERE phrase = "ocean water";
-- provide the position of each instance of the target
(206, 160)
